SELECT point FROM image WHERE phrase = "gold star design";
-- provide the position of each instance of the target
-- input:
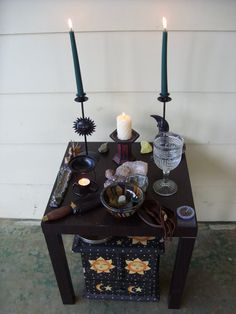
(138, 289)
(108, 288)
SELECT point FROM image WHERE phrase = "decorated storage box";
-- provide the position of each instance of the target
(121, 268)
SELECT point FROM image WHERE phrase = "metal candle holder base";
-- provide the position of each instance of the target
(81, 98)
(124, 148)
(162, 98)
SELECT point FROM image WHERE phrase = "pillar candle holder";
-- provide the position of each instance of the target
(124, 147)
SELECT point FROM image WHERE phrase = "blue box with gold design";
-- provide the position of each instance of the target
(121, 268)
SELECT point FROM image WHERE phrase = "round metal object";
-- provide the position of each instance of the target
(185, 212)
(94, 240)
(82, 164)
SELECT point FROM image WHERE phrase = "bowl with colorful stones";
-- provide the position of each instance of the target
(121, 199)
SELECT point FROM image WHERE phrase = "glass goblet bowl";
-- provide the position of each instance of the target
(167, 153)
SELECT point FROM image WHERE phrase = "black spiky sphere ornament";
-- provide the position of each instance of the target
(84, 126)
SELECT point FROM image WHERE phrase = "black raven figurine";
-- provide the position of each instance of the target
(162, 124)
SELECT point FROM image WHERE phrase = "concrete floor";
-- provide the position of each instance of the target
(27, 282)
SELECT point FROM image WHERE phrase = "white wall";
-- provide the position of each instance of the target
(119, 46)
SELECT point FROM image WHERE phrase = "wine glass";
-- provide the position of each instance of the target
(167, 153)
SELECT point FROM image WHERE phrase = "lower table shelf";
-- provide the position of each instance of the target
(124, 268)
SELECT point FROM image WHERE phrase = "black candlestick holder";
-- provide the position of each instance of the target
(84, 125)
(86, 161)
(162, 124)
(124, 147)
(81, 98)
(164, 100)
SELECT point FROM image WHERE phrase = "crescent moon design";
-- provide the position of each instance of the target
(130, 289)
(98, 287)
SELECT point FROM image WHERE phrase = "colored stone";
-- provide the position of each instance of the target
(103, 148)
(129, 168)
(145, 147)
(109, 173)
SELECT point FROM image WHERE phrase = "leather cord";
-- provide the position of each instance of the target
(156, 215)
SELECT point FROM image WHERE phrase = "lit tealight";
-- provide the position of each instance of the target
(84, 182)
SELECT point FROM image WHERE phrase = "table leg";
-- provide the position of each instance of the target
(60, 266)
(182, 261)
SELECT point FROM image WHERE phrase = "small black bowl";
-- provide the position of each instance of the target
(82, 164)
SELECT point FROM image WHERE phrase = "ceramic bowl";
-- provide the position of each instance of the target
(111, 194)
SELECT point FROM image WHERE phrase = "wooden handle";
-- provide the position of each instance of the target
(58, 213)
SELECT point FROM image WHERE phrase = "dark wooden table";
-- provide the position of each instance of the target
(99, 222)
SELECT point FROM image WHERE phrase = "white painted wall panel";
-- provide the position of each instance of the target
(213, 175)
(215, 203)
(118, 62)
(29, 16)
(29, 201)
(48, 118)
(30, 164)
(212, 165)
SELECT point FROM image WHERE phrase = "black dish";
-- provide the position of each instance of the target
(93, 187)
(82, 164)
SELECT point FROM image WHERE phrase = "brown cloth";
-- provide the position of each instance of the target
(156, 215)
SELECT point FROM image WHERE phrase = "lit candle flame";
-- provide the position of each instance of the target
(70, 23)
(84, 181)
(164, 23)
(123, 114)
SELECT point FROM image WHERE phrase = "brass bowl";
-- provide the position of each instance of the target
(133, 194)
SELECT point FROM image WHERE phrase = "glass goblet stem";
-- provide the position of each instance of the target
(165, 176)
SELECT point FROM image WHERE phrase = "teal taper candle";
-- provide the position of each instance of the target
(164, 84)
(80, 90)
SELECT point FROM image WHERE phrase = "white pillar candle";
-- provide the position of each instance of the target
(124, 127)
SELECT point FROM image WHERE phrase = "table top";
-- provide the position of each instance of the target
(100, 223)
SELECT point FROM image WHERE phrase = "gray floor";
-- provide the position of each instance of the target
(27, 283)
